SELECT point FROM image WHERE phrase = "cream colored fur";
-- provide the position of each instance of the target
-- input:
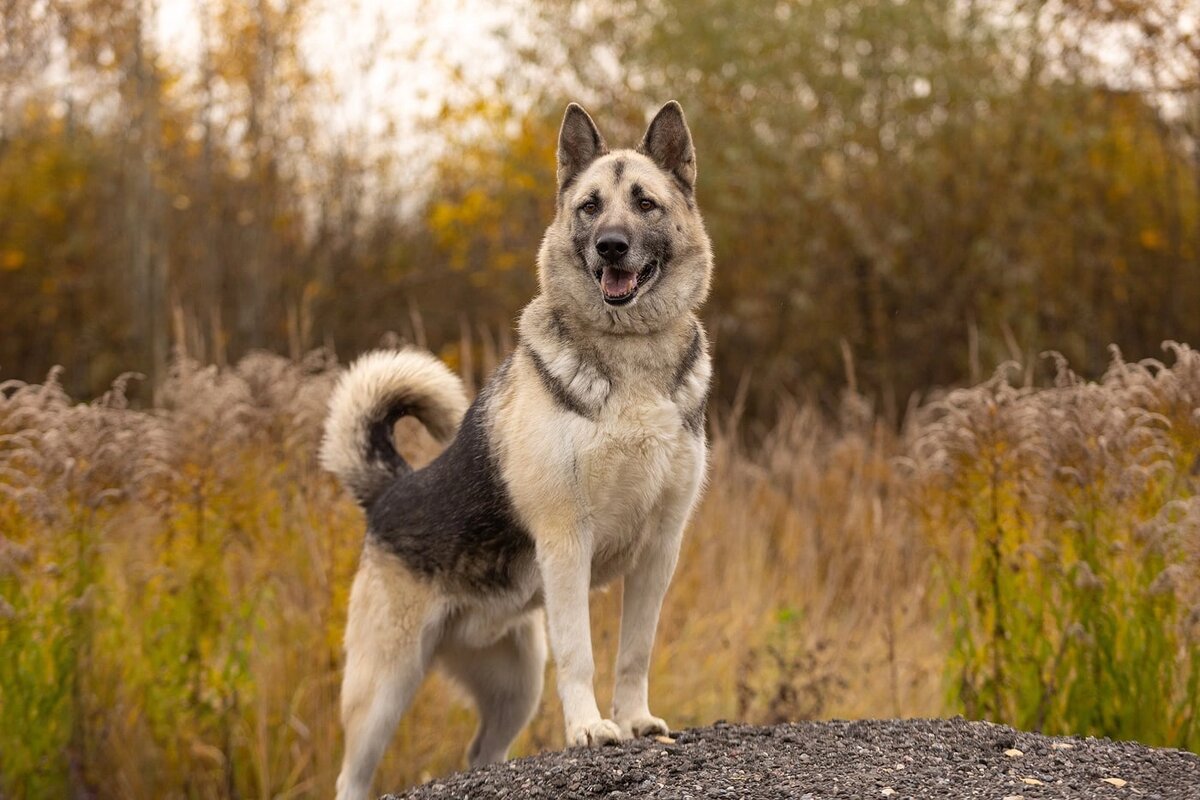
(603, 499)
(605, 495)
(374, 383)
(390, 636)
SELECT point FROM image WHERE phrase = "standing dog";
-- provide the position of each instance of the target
(578, 463)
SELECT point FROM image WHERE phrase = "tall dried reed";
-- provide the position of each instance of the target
(1067, 527)
(173, 581)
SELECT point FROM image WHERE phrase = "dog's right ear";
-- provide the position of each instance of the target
(579, 144)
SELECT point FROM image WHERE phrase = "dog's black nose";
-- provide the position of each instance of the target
(612, 245)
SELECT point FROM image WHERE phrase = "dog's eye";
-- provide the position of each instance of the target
(646, 205)
(589, 207)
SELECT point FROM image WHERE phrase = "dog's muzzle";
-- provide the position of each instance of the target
(619, 286)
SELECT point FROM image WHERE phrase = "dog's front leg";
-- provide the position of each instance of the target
(645, 586)
(565, 563)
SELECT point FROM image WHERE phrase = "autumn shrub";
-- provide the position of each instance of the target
(173, 585)
(151, 564)
(173, 580)
(1066, 524)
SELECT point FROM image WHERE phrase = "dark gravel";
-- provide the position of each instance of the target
(814, 760)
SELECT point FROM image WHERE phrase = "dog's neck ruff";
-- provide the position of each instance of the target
(650, 315)
(581, 368)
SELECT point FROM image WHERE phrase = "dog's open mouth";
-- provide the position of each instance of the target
(619, 286)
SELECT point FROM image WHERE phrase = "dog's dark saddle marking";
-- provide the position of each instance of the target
(454, 519)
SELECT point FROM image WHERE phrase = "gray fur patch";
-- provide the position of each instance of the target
(618, 169)
(558, 326)
(688, 362)
(694, 420)
(555, 387)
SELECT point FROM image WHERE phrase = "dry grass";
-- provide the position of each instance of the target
(173, 582)
(1067, 526)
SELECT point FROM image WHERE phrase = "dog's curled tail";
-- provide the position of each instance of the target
(377, 390)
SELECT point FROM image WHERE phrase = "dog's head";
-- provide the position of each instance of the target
(627, 251)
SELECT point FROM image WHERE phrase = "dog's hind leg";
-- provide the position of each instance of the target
(505, 681)
(391, 632)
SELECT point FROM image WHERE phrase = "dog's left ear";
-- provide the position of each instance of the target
(668, 142)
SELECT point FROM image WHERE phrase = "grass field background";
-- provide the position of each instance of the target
(173, 580)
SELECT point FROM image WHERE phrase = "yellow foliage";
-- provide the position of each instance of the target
(175, 582)
(12, 260)
(496, 192)
(1151, 238)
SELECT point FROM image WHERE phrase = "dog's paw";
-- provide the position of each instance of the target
(643, 726)
(593, 734)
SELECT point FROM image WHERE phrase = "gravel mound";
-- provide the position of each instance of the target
(864, 759)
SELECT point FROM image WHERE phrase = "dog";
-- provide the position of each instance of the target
(577, 464)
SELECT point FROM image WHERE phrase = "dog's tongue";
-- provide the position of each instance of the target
(617, 282)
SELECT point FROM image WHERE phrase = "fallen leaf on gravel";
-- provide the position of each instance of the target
(1117, 782)
(664, 739)
(1062, 746)
(1032, 781)
(1013, 752)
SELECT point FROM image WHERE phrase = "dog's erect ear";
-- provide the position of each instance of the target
(579, 144)
(668, 142)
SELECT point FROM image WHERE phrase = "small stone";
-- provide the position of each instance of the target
(1013, 752)
(887, 791)
(1032, 782)
(1014, 797)
(1117, 782)
(1062, 746)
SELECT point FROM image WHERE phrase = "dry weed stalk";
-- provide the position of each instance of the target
(1061, 520)
(173, 580)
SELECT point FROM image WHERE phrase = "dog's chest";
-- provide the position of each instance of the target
(637, 451)
(624, 460)
(612, 463)
(594, 435)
